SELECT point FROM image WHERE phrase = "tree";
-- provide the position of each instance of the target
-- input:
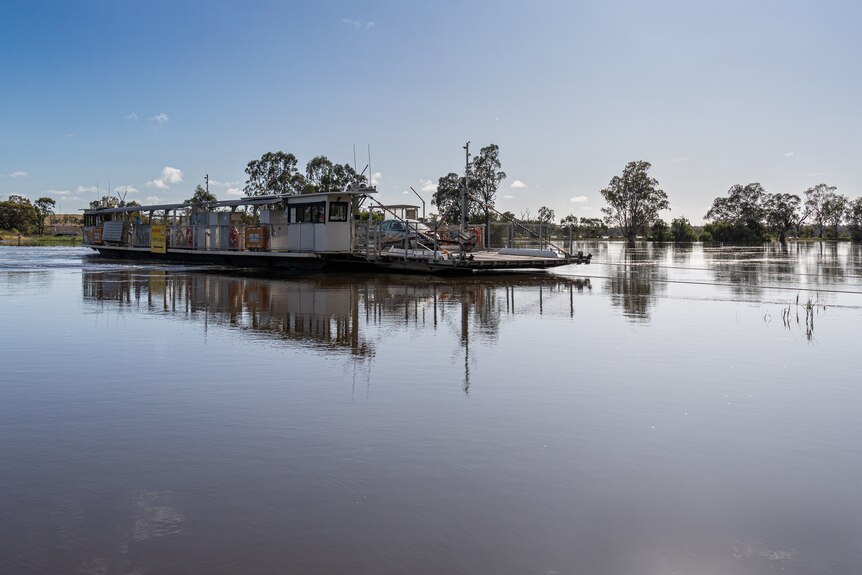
(782, 213)
(593, 228)
(447, 198)
(681, 230)
(820, 203)
(739, 217)
(659, 231)
(634, 200)
(201, 197)
(321, 175)
(570, 224)
(488, 175)
(105, 202)
(546, 215)
(274, 173)
(44, 207)
(854, 219)
(17, 214)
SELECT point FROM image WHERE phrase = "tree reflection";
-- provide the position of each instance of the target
(637, 278)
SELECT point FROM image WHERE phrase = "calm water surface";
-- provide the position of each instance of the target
(665, 410)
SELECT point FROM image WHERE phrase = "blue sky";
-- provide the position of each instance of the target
(149, 96)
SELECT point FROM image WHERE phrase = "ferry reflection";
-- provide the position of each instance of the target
(334, 312)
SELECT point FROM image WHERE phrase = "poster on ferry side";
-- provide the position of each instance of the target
(158, 243)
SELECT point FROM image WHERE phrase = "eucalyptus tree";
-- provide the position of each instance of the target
(593, 228)
(487, 175)
(570, 222)
(634, 200)
(681, 230)
(740, 216)
(273, 173)
(105, 202)
(854, 218)
(322, 175)
(201, 196)
(546, 215)
(822, 203)
(782, 213)
(44, 207)
(447, 198)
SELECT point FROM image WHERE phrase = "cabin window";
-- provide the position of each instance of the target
(308, 213)
(338, 212)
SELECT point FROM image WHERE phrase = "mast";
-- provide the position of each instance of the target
(465, 187)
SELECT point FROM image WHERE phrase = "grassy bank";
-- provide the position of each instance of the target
(11, 238)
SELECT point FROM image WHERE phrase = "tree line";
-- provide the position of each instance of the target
(633, 201)
(19, 215)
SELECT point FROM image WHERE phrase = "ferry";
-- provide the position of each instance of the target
(308, 232)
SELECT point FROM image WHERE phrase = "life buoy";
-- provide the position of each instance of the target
(188, 236)
(233, 235)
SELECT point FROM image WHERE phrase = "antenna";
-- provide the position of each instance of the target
(370, 175)
(466, 186)
(354, 156)
(207, 180)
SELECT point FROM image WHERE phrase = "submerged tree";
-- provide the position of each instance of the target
(681, 230)
(782, 213)
(854, 219)
(273, 173)
(739, 216)
(823, 205)
(634, 200)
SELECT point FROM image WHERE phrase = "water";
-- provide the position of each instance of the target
(663, 410)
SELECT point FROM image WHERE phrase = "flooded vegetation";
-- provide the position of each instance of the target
(666, 409)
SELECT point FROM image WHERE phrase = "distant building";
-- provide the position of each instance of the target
(403, 211)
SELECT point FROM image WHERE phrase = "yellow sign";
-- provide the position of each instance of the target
(158, 239)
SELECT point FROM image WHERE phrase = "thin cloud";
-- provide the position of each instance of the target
(131, 116)
(518, 184)
(579, 199)
(126, 189)
(677, 160)
(508, 197)
(18, 175)
(223, 184)
(375, 178)
(161, 118)
(788, 154)
(86, 190)
(358, 24)
(169, 176)
(152, 200)
(234, 192)
(428, 187)
(57, 192)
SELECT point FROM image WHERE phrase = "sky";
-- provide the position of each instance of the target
(145, 98)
